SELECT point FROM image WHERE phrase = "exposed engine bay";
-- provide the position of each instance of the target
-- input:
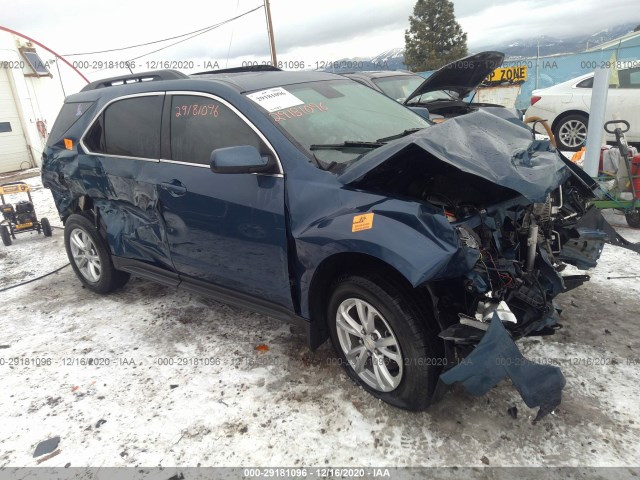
(525, 213)
(522, 246)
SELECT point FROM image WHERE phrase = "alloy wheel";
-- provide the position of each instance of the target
(85, 255)
(369, 344)
(573, 133)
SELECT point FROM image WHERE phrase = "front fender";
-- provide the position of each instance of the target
(420, 245)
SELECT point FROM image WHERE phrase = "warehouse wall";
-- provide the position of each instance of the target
(28, 104)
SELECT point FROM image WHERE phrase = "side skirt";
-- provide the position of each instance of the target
(216, 292)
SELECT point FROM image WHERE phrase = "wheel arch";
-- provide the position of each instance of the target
(353, 263)
(83, 204)
(565, 114)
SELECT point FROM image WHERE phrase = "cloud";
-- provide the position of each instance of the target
(309, 31)
(534, 18)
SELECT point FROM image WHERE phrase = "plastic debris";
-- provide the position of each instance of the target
(47, 446)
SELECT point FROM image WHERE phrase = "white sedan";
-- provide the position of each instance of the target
(566, 107)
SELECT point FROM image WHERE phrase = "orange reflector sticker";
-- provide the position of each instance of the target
(362, 222)
(68, 144)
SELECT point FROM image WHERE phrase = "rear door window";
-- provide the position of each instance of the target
(128, 128)
(200, 125)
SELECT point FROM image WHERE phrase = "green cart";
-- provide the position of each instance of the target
(630, 207)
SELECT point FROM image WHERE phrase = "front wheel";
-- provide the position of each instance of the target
(571, 132)
(6, 235)
(89, 256)
(384, 340)
(633, 218)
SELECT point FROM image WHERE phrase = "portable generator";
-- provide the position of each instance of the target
(21, 217)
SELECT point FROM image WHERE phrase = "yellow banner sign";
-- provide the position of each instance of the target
(508, 74)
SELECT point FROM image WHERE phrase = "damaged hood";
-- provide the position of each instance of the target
(461, 76)
(500, 150)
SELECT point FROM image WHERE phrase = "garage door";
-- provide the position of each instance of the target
(13, 147)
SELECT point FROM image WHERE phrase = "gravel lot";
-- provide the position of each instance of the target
(259, 397)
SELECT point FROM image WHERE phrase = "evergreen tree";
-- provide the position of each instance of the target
(434, 37)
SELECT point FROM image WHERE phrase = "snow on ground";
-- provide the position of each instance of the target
(285, 406)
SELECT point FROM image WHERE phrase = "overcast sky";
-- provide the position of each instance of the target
(305, 31)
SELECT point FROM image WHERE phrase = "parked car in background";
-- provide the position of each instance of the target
(445, 93)
(449, 91)
(309, 197)
(566, 107)
(397, 84)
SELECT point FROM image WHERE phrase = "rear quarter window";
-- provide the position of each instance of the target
(68, 116)
(587, 83)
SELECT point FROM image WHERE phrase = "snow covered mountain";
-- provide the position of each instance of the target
(393, 59)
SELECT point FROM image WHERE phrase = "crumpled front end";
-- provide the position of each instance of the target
(510, 291)
(526, 213)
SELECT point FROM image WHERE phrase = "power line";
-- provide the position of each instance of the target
(133, 46)
(196, 32)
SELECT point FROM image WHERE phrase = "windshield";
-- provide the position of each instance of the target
(398, 87)
(434, 96)
(337, 121)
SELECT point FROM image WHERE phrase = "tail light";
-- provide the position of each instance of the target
(534, 100)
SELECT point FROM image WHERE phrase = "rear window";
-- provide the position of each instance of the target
(68, 116)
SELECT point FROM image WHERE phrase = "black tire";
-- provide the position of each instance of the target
(633, 218)
(420, 349)
(6, 235)
(46, 227)
(571, 132)
(108, 279)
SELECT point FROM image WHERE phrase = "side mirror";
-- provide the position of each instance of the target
(240, 159)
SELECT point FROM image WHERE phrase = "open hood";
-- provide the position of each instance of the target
(461, 76)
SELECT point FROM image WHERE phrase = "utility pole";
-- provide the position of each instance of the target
(272, 43)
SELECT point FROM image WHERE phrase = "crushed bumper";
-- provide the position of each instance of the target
(496, 358)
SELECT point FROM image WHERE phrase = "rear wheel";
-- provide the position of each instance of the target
(633, 218)
(571, 132)
(90, 257)
(46, 227)
(6, 236)
(383, 340)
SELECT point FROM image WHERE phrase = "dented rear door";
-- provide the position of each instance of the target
(120, 177)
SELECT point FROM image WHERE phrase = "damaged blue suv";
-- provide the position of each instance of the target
(423, 251)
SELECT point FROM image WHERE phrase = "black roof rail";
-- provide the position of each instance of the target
(248, 68)
(135, 78)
